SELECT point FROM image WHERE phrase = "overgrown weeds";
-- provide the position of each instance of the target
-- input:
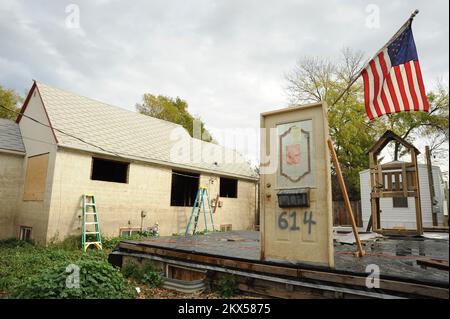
(33, 271)
(84, 278)
(145, 274)
(227, 287)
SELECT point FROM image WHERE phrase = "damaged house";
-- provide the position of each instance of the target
(142, 171)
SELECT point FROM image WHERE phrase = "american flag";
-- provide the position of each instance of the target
(392, 79)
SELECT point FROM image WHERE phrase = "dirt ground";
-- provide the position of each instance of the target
(161, 293)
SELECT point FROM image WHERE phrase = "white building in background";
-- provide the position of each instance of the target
(400, 212)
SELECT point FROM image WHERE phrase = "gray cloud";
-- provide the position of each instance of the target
(226, 58)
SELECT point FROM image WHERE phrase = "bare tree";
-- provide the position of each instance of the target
(313, 78)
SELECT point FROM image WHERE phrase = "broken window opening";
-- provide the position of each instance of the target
(184, 188)
(228, 187)
(109, 171)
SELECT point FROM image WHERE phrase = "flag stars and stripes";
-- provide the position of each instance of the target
(393, 80)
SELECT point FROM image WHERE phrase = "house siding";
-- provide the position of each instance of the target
(404, 217)
(38, 139)
(120, 205)
(11, 180)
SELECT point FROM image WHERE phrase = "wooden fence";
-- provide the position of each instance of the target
(341, 216)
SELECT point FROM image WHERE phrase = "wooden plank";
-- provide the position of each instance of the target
(399, 232)
(431, 184)
(392, 166)
(389, 182)
(417, 197)
(439, 264)
(397, 181)
(373, 200)
(380, 180)
(326, 276)
(337, 168)
(36, 175)
(410, 180)
(393, 194)
(404, 181)
(439, 229)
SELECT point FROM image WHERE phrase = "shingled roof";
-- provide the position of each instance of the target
(128, 134)
(10, 137)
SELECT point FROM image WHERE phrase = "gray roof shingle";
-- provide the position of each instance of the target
(132, 135)
(10, 137)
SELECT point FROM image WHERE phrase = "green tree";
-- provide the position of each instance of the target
(432, 125)
(172, 110)
(10, 99)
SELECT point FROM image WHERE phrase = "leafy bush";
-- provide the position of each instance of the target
(132, 271)
(153, 279)
(111, 243)
(97, 279)
(15, 243)
(69, 243)
(20, 260)
(146, 274)
(227, 287)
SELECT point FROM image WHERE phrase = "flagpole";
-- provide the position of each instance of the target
(402, 28)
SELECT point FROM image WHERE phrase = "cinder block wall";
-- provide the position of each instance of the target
(11, 180)
(119, 205)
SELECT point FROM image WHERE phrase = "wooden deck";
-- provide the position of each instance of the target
(400, 272)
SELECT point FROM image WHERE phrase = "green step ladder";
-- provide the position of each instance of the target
(89, 201)
(199, 206)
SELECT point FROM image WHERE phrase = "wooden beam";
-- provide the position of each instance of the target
(393, 194)
(404, 181)
(438, 264)
(431, 184)
(337, 167)
(300, 273)
(417, 198)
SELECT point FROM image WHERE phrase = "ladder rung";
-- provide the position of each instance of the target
(93, 242)
(89, 204)
(92, 232)
(89, 213)
(91, 223)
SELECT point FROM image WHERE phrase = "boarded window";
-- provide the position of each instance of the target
(184, 188)
(109, 171)
(398, 202)
(36, 175)
(228, 187)
(25, 233)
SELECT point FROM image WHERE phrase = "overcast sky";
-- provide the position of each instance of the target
(226, 58)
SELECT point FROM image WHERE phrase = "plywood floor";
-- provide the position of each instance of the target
(396, 257)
